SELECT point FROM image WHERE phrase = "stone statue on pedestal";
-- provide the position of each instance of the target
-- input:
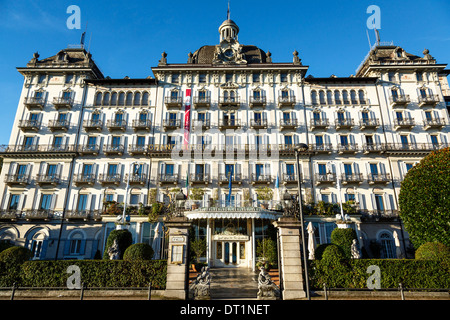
(267, 289)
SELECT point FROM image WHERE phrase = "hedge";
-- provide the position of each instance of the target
(94, 273)
(424, 274)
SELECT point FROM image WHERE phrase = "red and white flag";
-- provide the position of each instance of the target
(187, 117)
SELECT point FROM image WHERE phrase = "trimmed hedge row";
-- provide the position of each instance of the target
(94, 273)
(353, 273)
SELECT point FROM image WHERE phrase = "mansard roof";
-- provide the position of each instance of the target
(253, 54)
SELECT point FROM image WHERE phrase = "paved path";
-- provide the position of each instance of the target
(233, 284)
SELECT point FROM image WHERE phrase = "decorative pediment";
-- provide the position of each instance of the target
(229, 85)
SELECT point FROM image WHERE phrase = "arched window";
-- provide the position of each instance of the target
(322, 97)
(137, 99)
(113, 99)
(121, 99)
(106, 99)
(353, 97)
(145, 99)
(129, 100)
(38, 244)
(337, 97)
(76, 243)
(345, 97)
(313, 97)
(98, 99)
(387, 245)
(361, 96)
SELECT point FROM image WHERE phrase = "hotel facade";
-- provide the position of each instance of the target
(82, 142)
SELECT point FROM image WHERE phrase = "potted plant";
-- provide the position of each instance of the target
(264, 194)
(196, 194)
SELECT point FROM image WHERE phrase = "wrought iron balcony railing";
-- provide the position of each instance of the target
(319, 124)
(89, 149)
(343, 123)
(84, 178)
(260, 178)
(430, 100)
(61, 102)
(288, 123)
(142, 125)
(324, 178)
(55, 125)
(173, 101)
(347, 148)
(382, 178)
(50, 179)
(29, 125)
(229, 102)
(110, 178)
(21, 179)
(258, 123)
(400, 100)
(202, 101)
(369, 123)
(34, 103)
(116, 125)
(113, 149)
(167, 178)
(257, 101)
(286, 101)
(199, 178)
(351, 178)
(135, 149)
(89, 125)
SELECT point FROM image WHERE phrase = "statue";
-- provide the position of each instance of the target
(114, 251)
(267, 289)
(356, 254)
(201, 285)
(296, 59)
(163, 60)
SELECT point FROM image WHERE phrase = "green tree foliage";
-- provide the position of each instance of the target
(138, 251)
(267, 249)
(344, 238)
(124, 239)
(433, 251)
(424, 199)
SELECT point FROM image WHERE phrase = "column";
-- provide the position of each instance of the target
(177, 260)
(291, 261)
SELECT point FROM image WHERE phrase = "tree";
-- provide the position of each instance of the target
(124, 239)
(424, 199)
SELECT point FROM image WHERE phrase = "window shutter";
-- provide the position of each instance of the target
(43, 250)
(83, 246)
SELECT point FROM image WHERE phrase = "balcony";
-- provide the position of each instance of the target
(38, 214)
(428, 101)
(110, 179)
(324, 178)
(224, 179)
(144, 125)
(33, 103)
(113, 149)
(384, 178)
(343, 124)
(414, 147)
(58, 125)
(351, 178)
(84, 179)
(405, 124)
(48, 179)
(17, 179)
(289, 178)
(116, 125)
(29, 125)
(400, 101)
(258, 124)
(261, 179)
(229, 102)
(347, 148)
(171, 124)
(10, 214)
(62, 103)
(433, 123)
(93, 125)
(202, 102)
(320, 124)
(325, 148)
(288, 124)
(229, 124)
(173, 101)
(286, 102)
(89, 149)
(379, 215)
(167, 179)
(137, 149)
(199, 178)
(257, 102)
(84, 215)
(368, 124)
(140, 179)
(201, 124)
(374, 148)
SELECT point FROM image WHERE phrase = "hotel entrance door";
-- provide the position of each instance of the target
(229, 253)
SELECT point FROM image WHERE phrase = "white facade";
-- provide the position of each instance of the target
(78, 138)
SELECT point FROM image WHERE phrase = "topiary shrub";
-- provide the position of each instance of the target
(5, 244)
(11, 260)
(138, 251)
(318, 253)
(433, 251)
(333, 255)
(344, 238)
(124, 239)
(424, 199)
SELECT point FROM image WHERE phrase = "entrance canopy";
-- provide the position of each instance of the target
(233, 213)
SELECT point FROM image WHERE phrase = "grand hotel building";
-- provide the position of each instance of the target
(81, 140)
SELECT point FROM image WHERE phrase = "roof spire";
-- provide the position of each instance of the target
(228, 12)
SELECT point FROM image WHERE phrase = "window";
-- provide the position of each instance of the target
(115, 141)
(404, 140)
(129, 99)
(28, 143)
(75, 243)
(423, 93)
(41, 78)
(344, 140)
(57, 142)
(228, 77)
(134, 199)
(46, 200)
(51, 170)
(373, 169)
(82, 200)
(21, 171)
(350, 197)
(419, 76)
(112, 169)
(256, 77)
(409, 166)
(322, 169)
(348, 169)
(319, 140)
(391, 76)
(202, 78)
(95, 118)
(434, 140)
(169, 169)
(326, 198)
(259, 170)
(140, 141)
(13, 202)
(369, 140)
(87, 169)
(428, 116)
(69, 78)
(290, 169)
(109, 197)
(399, 116)
(283, 77)
(387, 246)
(365, 117)
(379, 202)
(175, 78)
(288, 140)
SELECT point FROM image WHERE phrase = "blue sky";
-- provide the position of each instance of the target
(127, 37)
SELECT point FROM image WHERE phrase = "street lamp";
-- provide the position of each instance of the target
(302, 148)
(126, 196)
